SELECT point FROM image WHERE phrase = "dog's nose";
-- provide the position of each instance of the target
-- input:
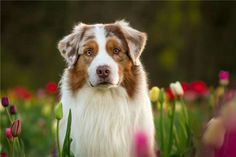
(103, 71)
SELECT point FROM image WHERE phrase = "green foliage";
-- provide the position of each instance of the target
(37, 126)
(66, 151)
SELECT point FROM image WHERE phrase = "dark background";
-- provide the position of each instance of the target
(186, 40)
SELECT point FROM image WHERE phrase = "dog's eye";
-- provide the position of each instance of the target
(89, 52)
(116, 50)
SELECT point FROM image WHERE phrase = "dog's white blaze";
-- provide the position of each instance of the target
(102, 58)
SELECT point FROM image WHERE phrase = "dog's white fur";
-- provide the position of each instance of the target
(105, 120)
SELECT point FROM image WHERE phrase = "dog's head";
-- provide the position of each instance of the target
(102, 55)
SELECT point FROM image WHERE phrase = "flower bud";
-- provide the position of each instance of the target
(16, 128)
(224, 77)
(13, 109)
(142, 145)
(154, 94)
(3, 154)
(5, 101)
(59, 111)
(8, 133)
(176, 89)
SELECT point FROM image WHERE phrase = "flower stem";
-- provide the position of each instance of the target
(8, 114)
(185, 111)
(20, 149)
(171, 127)
(161, 121)
(12, 148)
(58, 142)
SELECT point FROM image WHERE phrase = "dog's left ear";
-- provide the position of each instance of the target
(136, 40)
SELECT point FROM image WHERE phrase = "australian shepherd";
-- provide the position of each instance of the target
(105, 86)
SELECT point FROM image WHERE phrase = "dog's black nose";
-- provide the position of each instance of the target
(103, 71)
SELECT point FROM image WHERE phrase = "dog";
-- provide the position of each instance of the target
(105, 87)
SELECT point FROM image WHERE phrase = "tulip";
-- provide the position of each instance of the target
(59, 111)
(13, 109)
(170, 96)
(8, 133)
(51, 87)
(177, 89)
(154, 94)
(3, 154)
(142, 145)
(22, 93)
(199, 87)
(5, 101)
(224, 77)
(16, 128)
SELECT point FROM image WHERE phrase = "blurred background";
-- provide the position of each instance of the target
(186, 40)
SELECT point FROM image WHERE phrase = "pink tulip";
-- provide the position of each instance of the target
(224, 77)
(142, 146)
(228, 148)
(8, 133)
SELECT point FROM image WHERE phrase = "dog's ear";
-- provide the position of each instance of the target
(69, 45)
(136, 40)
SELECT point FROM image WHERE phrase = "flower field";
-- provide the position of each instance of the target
(191, 119)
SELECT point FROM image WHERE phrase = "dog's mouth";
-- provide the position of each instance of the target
(103, 84)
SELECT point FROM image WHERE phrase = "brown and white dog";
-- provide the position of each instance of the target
(105, 87)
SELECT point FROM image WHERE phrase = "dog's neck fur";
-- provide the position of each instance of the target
(103, 119)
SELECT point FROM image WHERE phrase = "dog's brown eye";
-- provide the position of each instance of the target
(89, 52)
(116, 50)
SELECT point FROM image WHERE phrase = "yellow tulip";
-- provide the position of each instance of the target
(154, 94)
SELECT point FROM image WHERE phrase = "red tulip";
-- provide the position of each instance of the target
(22, 93)
(185, 86)
(169, 94)
(199, 87)
(16, 128)
(51, 87)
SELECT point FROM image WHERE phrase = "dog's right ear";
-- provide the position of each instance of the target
(69, 45)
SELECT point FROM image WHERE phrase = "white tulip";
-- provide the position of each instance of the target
(177, 89)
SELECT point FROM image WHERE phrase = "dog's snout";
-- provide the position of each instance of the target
(103, 71)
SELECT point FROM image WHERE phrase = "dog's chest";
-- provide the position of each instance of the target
(103, 124)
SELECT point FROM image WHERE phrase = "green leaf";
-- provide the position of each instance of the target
(66, 152)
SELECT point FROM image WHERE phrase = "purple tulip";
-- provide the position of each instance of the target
(5, 101)
(13, 109)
